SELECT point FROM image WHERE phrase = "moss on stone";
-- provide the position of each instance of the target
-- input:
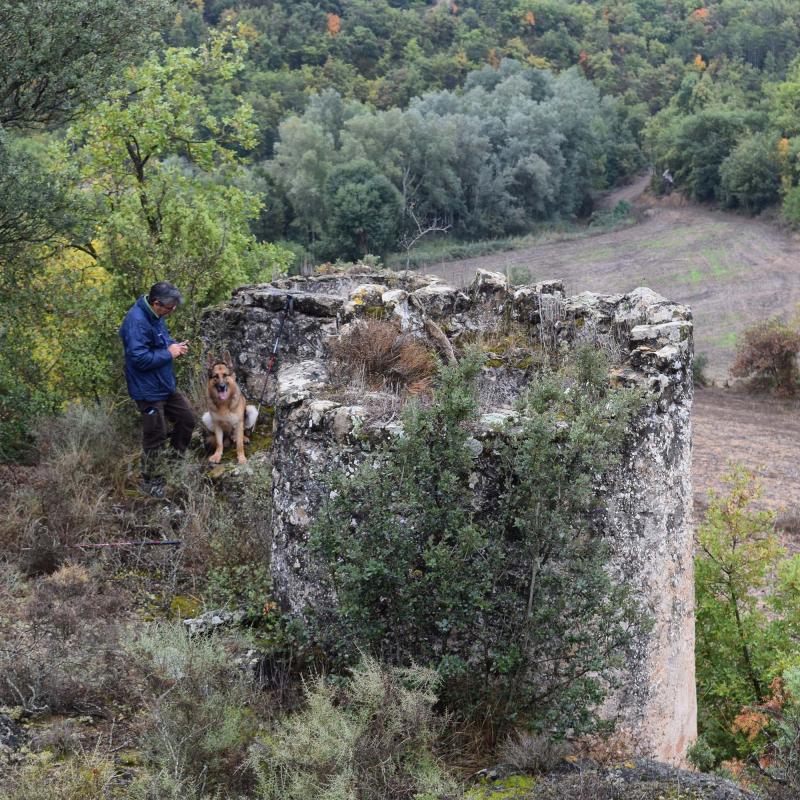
(524, 363)
(514, 787)
(185, 606)
(375, 312)
(260, 439)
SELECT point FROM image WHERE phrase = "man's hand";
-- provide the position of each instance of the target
(178, 349)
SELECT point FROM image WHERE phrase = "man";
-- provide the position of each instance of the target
(149, 353)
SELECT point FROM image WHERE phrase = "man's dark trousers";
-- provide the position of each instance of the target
(155, 414)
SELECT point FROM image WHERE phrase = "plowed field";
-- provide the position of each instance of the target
(762, 433)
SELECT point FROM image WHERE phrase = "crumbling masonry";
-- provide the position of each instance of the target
(647, 519)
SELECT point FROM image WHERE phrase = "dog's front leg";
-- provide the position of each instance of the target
(216, 456)
(238, 435)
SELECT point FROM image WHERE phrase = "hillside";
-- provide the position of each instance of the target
(464, 535)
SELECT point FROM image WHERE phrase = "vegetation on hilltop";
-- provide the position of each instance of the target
(96, 634)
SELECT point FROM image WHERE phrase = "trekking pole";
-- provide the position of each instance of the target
(288, 311)
(143, 543)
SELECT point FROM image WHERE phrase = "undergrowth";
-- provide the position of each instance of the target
(371, 736)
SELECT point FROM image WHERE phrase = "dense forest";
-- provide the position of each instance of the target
(662, 75)
(214, 143)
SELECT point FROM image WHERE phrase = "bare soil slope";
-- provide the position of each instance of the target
(761, 432)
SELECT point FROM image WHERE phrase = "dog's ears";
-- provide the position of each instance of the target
(226, 360)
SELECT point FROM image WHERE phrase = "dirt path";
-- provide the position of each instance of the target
(629, 193)
(733, 271)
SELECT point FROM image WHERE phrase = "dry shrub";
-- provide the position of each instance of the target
(62, 652)
(66, 498)
(372, 738)
(90, 434)
(532, 753)
(768, 356)
(385, 357)
(62, 506)
(86, 776)
(18, 500)
(199, 703)
(788, 520)
(61, 738)
(608, 748)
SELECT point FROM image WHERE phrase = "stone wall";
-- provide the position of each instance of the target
(648, 507)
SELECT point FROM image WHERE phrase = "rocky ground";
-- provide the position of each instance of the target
(629, 780)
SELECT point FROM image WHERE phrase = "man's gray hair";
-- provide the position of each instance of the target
(166, 293)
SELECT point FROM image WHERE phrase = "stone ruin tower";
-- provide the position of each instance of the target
(647, 517)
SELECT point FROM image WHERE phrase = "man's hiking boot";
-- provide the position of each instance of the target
(155, 487)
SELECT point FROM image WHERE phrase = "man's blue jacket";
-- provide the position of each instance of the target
(148, 362)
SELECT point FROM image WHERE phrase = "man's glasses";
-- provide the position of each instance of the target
(165, 306)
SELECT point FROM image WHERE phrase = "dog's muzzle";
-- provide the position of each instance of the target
(222, 389)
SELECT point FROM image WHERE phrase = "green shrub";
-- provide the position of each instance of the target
(510, 602)
(790, 208)
(699, 366)
(611, 218)
(737, 642)
(695, 146)
(362, 210)
(241, 586)
(747, 627)
(519, 275)
(701, 755)
(750, 176)
(371, 738)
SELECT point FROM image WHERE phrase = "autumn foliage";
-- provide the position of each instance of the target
(334, 24)
(768, 356)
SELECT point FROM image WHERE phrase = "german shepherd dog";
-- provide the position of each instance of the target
(228, 415)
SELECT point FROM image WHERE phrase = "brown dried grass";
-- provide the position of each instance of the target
(62, 653)
(386, 357)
